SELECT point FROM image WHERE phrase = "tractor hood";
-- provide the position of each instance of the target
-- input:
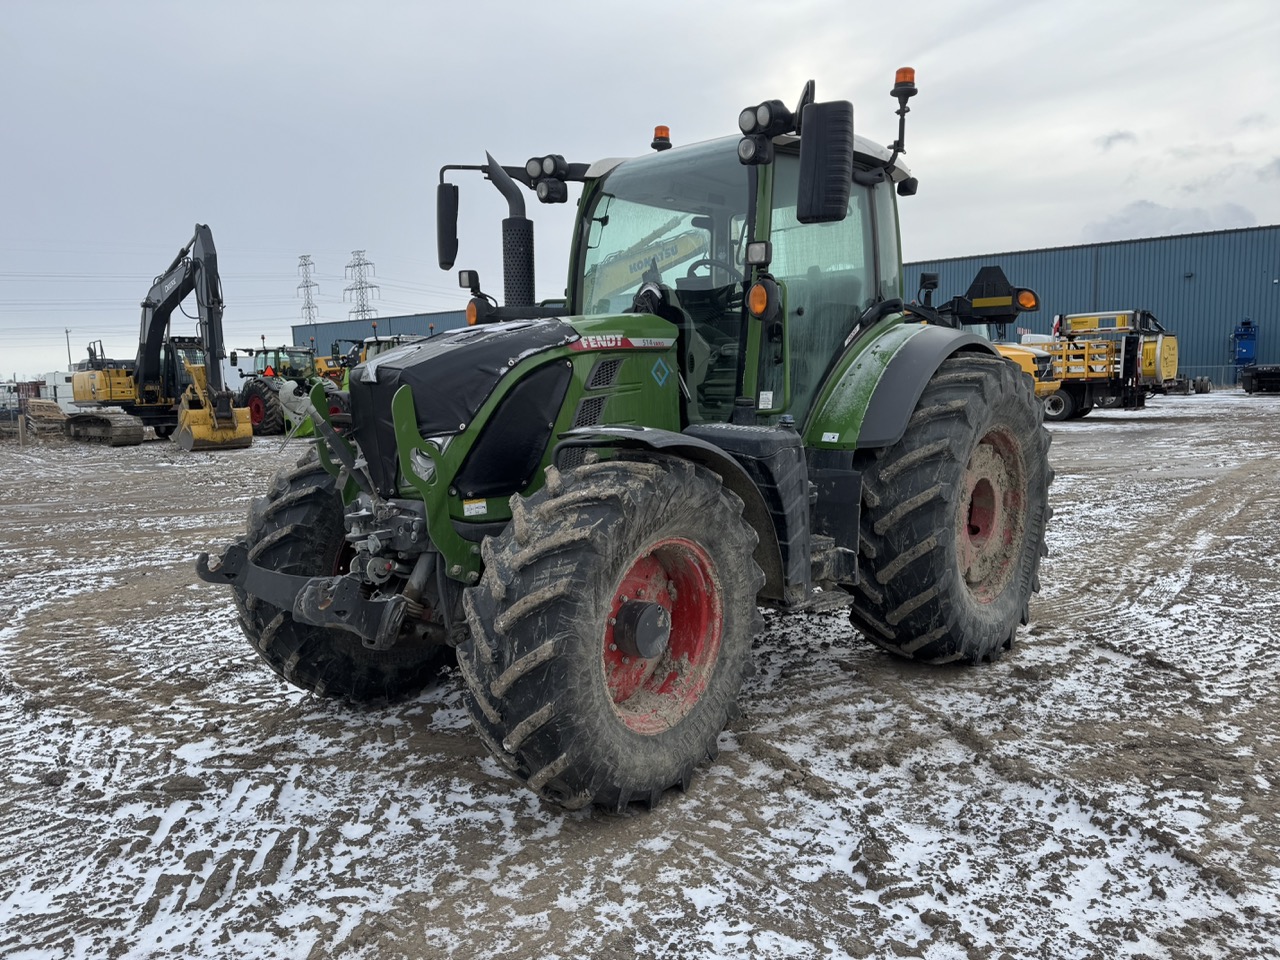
(451, 375)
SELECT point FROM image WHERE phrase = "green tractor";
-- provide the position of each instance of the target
(588, 500)
(276, 393)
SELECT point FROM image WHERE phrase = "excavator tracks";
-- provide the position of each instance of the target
(114, 428)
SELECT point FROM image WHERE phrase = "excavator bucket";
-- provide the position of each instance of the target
(198, 429)
(208, 421)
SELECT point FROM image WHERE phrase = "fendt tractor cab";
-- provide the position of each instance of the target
(590, 498)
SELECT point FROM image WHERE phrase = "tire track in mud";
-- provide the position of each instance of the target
(1150, 865)
(1186, 672)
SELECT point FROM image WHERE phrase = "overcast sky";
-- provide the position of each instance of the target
(319, 128)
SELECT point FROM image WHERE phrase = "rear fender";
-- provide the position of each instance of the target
(874, 396)
(768, 553)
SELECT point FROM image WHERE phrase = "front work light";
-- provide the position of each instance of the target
(755, 149)
(552, 191)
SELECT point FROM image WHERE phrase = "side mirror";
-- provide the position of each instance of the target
(826, 162)
(470, 280)
(232, 358)
(447, 224)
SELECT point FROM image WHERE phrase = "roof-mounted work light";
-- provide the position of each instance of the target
(759, 125)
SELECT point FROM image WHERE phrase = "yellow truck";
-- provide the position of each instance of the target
(1117, 358)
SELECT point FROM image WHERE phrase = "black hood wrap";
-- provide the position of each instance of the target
(451, 376)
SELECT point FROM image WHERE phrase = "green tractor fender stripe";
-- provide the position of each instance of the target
(872, 401)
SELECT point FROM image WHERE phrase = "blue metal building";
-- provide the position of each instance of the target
(1200, 285)
(322, 336)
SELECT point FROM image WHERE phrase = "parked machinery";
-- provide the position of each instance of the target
(274, 393)
(1109, 359)
(175, 383)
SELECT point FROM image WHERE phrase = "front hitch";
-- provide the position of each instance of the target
(335, 602)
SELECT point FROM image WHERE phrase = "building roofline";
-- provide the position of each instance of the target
(1087, 246)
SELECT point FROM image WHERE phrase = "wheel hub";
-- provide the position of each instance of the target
(642, 628)
(992, 519)
(663, 635)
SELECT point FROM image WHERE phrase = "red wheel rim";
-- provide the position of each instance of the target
(991, 521)
(652, 695)
(257, 409)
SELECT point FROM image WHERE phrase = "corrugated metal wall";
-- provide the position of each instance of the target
(1199, 285)
(422, 324)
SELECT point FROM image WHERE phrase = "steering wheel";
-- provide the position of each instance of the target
(712, 262)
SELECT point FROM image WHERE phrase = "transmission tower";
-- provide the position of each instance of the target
(309, 308)
(361, 287)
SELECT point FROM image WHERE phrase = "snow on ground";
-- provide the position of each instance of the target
(1108, 790)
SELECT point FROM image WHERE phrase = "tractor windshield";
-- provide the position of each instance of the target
(665, 217)
(296, 363)
(677, 218)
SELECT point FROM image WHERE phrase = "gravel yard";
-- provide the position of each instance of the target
(1110, 789)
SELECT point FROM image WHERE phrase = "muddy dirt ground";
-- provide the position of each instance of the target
(1111, 789)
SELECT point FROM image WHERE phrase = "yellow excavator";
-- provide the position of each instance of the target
(175, 384)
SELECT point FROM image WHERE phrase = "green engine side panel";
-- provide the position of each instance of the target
(624, 371)
(842, 403)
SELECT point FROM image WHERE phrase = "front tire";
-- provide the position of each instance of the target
(265, 412)
(297, 528)
(612, 630)
(953, 518)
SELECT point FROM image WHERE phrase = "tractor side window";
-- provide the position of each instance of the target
(890, 263)
(828, 271)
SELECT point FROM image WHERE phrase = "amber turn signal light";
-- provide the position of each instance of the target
(763, 300)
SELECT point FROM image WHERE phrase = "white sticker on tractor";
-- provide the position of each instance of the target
(475, 508)
(766, 399)
(830, 437)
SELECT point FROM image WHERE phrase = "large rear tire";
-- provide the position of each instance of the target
(612, 630)
(265, 412)
(297, 528)
(953, 518)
